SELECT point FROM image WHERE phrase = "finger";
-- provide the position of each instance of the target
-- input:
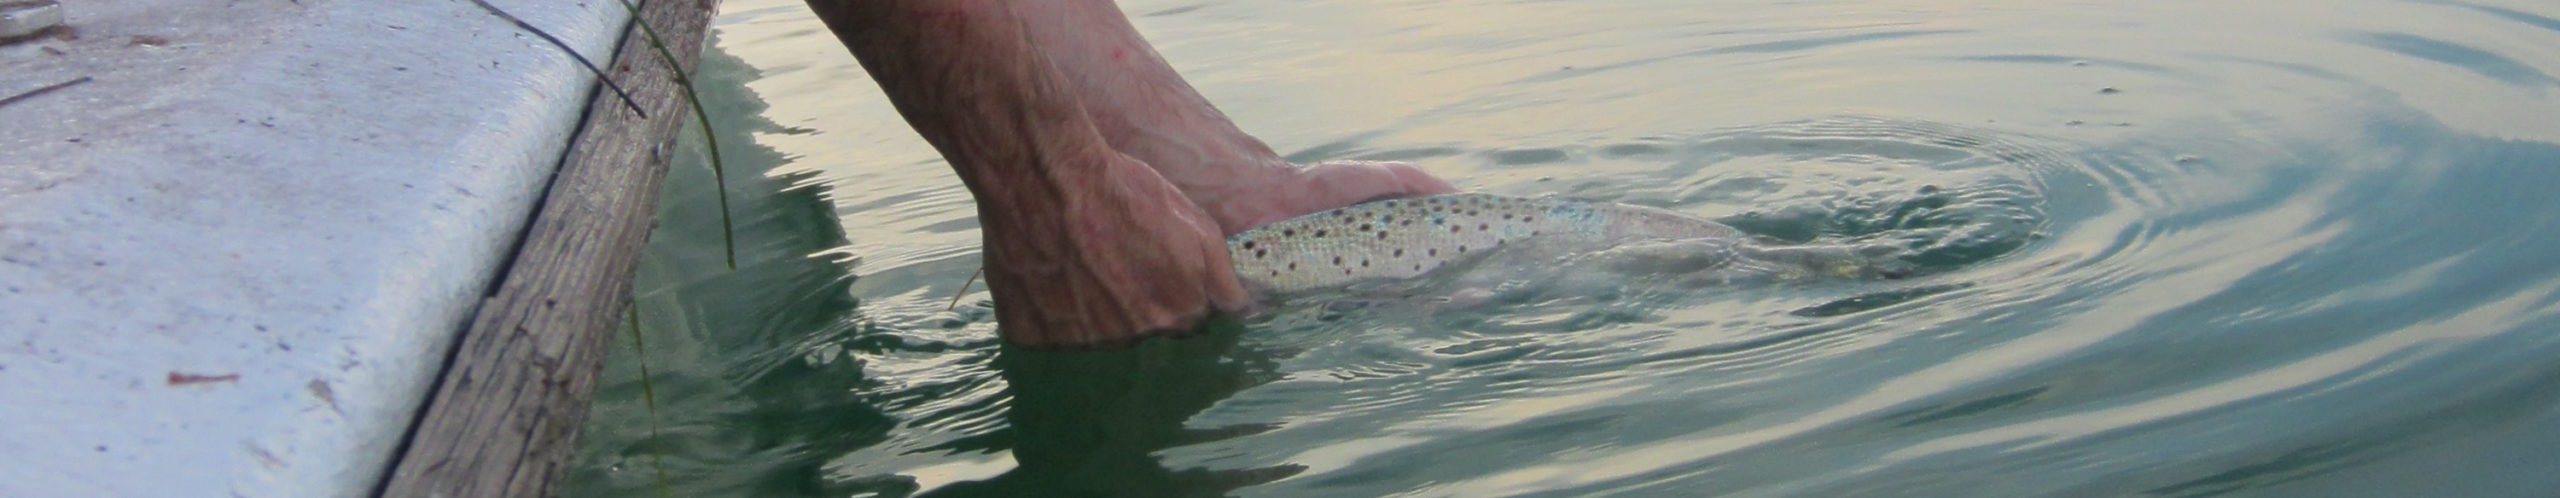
(1337, 184)
(1321, 186)
(1226, 290)
(1415, 181)
(1204, 264)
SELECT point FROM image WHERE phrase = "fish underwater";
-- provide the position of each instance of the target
(1403, 239)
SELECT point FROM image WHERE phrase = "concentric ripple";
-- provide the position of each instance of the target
(2169, 249)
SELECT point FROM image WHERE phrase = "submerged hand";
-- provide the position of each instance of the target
(1106, 186)
(1127, 257)
(1146, 110)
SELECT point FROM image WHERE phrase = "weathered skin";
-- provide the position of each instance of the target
(1104, 182)
(1407, 238)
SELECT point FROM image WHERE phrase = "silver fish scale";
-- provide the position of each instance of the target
(1406, 238)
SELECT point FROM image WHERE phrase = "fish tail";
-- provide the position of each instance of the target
(1829, 261)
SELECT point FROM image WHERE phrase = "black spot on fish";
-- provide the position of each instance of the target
(1387, 219)
(1364, 227)
(1364, 263)
(1337, 261)
(1346, 271)
(1259, 253)
(1455, 229)
(1399, 253)
(1483, 227)
(1382, 235)
(1417, 267)
(1528, 218)
(1435, 252)
(1275, 273)
(1293, 266)
(1408, 223)
(1471, 212)
(1506, 216)
(1462, 249)
(1289, 232)
(1248, 244)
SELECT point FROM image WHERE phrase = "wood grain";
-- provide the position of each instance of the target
(505, 417)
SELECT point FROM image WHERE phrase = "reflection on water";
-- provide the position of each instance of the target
(2174, 249)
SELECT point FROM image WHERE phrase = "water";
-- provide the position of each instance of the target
(2173, 248)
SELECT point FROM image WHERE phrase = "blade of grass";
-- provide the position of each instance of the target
(719, 174)
(649, 400)
(573, 53)
(964, 289)
(41, 91)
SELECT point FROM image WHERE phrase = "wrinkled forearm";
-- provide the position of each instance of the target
(1084, 245)
(1139, 104)
(964, 74)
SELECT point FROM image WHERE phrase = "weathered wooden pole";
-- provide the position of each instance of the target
(504, 419)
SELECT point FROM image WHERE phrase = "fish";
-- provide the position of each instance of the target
(1409, 238)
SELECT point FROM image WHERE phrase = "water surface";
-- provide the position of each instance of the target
(2174, 248)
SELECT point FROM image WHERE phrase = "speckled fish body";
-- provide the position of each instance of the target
(1406, 238)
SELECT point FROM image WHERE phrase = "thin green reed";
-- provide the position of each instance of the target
(711, 143)
(728, 238)
(648, 398)
(719, 174)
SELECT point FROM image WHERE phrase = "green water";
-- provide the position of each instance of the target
(2174, 248)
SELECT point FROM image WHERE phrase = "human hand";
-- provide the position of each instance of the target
(1127, 257)
(1258, 196)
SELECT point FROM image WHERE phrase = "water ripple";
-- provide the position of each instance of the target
(2254, 249)
(2482, 62)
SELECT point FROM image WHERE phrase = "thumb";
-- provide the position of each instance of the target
(1342, 183)
(1334, 184)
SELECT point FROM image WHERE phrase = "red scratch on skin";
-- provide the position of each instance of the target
(1119, 53)
(181, 379)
